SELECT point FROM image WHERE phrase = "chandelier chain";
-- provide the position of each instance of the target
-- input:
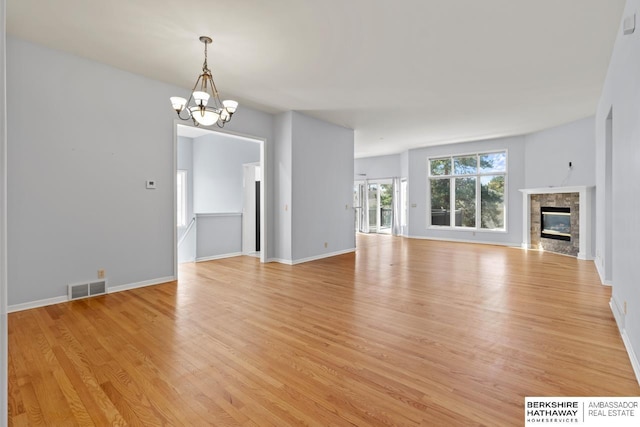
(205, 67)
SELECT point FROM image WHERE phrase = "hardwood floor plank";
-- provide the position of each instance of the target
(403, 332)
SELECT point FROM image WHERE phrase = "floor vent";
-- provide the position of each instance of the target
(85, 290)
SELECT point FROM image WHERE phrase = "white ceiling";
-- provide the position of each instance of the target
(403, 73)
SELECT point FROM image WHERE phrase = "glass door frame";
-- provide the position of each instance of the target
(359, 196)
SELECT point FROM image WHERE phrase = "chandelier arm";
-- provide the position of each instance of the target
(194, 87)
(216, 95)
(188, 114)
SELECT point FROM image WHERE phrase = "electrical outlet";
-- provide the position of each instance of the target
(625, 308)
(326, 245)
(101, 273)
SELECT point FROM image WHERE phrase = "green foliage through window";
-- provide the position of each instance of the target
(474, 184)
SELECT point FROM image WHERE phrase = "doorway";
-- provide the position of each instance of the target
(214, 193)
(373, 203)
(251, 209)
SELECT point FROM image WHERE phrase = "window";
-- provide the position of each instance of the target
(182, 198)
(468, 191)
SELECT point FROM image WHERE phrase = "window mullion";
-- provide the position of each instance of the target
(478, 203)
(452, 202)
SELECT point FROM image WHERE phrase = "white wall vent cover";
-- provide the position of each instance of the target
(85, 290)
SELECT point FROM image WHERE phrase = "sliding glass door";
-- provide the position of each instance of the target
(385, 210)
(372, 207)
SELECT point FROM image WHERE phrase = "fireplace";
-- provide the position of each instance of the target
(555, 223)
(579, 201)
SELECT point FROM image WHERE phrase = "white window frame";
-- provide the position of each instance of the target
(478, 175)
(404, 203)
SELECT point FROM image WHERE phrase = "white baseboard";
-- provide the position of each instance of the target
(599, 269)
(215, 257)
(585, 256)
(36, 304)
(141, 284)
(481, 242)
(280, 261)
(635, 363)
(619, 316)
(313, 258)
(65, 298)
(322, 256)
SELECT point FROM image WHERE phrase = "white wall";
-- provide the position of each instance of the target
(404, 174)
(548, 153)
(535, 160)
(282, 191)
(418, 190)
(621, 94)
(218, 171)
(253, 123)
(77, 200)
(377, 167)
(404, 164)
(322, 188)
(547, 157)
(3, 225)
(218, 236)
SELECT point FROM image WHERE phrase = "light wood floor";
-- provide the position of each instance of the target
(404, 332)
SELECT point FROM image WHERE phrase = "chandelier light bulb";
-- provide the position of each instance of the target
(230, 105)
(201, 98)
(178, 103)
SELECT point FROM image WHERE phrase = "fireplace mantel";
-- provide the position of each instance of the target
(586, 196)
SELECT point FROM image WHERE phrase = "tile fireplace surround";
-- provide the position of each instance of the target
(584, 211)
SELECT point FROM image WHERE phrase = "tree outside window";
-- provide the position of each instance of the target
(474, 185)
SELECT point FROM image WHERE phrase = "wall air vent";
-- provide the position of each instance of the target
(85, 290)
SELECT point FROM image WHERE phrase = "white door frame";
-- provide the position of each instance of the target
(378, 182)
(249, 209)
(263, 187)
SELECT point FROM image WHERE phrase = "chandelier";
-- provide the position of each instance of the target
(204, 106)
